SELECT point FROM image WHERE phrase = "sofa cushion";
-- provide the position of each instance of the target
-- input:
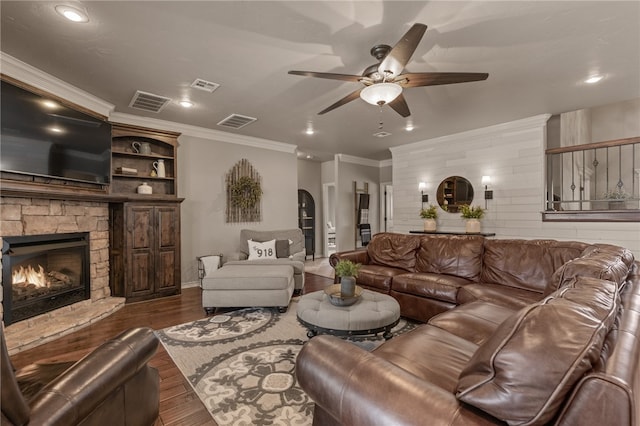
(261, 251)
(298, 267)
(394, 250)
(377, 277)
(429, 353)
(452, 255)
(600, 261)
(524, 371)
(434, 286)
(511, 297)
(526, 264)
(475, 321)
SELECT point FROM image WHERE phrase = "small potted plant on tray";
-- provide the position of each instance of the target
(473, 214)
(430, 214)
(347, 271)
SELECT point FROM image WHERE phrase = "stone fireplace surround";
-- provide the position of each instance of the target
(32, 216)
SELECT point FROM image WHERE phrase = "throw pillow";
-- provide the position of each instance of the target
(259, 251)
(282, 248)
(524, 371)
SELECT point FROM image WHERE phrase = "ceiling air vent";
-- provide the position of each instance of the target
(382, 134)
(148, 101)
(205, 85)
(236, 121)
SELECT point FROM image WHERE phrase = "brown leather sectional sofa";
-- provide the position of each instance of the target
(113, 385)
(520, 332)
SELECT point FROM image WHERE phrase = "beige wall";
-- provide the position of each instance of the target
(616, 121)
(202, 166)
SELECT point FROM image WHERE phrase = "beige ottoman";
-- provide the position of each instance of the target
(371, 314)
(248, 286)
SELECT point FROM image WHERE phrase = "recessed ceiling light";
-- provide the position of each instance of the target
(72, 13)
(309, 131)
(186, 104)
(50, 104)
(55, 129)
(593, 79)
(309, 157)
(409, 127)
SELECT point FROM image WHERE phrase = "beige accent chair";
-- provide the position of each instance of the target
(295, 259)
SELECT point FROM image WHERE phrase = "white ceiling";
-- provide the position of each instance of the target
(537, 55)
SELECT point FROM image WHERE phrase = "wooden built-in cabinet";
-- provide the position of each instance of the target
(145, 250)
(145, 228)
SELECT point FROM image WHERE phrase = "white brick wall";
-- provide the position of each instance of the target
(513, 155)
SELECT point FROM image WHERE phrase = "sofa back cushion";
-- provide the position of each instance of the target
(526, 264)
(524, 371)
(295, 235)
(395, 250)
(459, 255)
(603, 261)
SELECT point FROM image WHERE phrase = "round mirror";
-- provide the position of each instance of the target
(454, 192)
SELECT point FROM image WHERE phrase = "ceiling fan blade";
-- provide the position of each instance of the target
(435, 78)
(400, 106)
(350, 97)
(331, 76)
(397, 58)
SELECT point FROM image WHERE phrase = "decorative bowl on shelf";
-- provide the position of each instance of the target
(336, 298)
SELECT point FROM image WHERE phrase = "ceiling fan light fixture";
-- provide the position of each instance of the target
(380, 93)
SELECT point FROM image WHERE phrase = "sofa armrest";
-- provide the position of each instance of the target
(76, 393)
(356, 256)
(356, 387)
(300, 256)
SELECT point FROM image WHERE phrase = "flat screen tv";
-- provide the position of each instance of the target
(42, 137)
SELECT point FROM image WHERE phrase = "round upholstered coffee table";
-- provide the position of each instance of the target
(371, 314)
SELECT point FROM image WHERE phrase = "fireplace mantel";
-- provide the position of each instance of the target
(16, 189)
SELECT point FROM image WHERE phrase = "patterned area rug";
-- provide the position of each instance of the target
(241, 364)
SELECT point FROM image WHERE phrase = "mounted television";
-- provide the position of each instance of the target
(42, 137)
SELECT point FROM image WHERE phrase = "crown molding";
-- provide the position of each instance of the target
(34, 77)
(362, 161)
(202, 132)
(511, 126)
(386, 163)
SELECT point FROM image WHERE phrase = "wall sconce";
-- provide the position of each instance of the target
(424, 197)
(488, 195)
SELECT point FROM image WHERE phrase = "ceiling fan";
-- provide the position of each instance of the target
(384, 82)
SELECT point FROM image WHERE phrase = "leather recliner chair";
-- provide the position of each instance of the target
(111, 385)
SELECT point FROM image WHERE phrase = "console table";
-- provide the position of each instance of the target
(484, 234)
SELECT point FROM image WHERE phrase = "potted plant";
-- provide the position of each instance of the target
(347, 271)
(617, 198)
(430, 214)
(473, 216)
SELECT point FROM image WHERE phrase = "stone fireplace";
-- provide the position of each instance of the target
(28, 217)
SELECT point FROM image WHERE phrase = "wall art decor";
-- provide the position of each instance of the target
(244, 193)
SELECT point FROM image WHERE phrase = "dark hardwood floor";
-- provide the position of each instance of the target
(179, 405)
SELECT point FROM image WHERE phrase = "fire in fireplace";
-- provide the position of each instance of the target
(41, 273)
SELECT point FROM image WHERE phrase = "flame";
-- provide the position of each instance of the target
(31, 275)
